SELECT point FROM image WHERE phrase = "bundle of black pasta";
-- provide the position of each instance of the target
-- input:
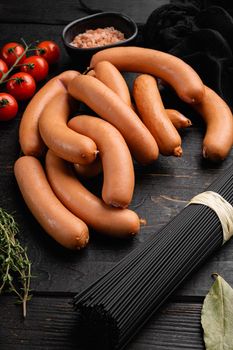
(117, 305)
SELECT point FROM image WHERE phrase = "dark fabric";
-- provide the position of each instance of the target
(201, 33)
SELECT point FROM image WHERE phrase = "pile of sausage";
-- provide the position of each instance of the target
(58, 149)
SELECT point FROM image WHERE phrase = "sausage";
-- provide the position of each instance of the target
(109, 75)
(110, 107)
(118, 170)
(152, 112)
(218, 139)
(178, 119)
(178, 74)
(66, 143)
(107, 220)
(90, 72)
(63, 226)
(89, 170)
(29, 137)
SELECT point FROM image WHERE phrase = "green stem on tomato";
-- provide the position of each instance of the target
(5, 81)
(5, 75)
(3, 102)
(30, 65)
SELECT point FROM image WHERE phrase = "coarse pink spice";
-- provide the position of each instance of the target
(97, 37)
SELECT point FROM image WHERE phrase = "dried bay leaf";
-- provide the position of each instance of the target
(217, 316)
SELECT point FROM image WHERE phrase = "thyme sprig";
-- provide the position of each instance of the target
(15, 267)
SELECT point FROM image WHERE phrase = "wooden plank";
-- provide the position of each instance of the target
(161, 191)
(159, 196)
(52, 324)
(65, 11)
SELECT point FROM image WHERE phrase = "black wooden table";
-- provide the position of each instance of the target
(161, 191)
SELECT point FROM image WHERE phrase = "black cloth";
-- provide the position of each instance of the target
(201, 33)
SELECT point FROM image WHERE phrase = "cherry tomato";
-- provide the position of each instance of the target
(36, 66)
(11, 51)
(3, 68)
(8, 106)
(21, 85)
(49, 50)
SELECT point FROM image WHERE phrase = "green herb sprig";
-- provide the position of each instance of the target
(15, 267)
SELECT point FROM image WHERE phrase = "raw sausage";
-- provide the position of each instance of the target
(111, 76)
(66, 143)
(217, 115)
(152, 112)
(178, 74)
(118, 170)
(110, 107)
(89, 170)
(29, 137)
(178, 119)
(107, 220)
(56, 220)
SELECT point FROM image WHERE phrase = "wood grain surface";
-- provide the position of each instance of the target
(52, 324)
(161, 191)
(61, 12)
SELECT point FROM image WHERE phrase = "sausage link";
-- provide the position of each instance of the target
(57, 221)
(152, 112)
(217, 115)
(66, 143)
(89, 170)
(29, 137)
(178, 119)
(178, 74)
(109, 75)
(110, 107)
(107, 220)
(91, 72)
(118, 170)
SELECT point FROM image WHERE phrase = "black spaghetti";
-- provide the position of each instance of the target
(116, 306)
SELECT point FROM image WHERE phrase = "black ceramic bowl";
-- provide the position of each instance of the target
(117, 20)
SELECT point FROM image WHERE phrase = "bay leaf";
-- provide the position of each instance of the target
(217, 316)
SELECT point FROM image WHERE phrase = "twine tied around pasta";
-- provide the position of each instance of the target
(221, 207)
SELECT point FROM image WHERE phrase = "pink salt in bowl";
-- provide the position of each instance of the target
(82, 55)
